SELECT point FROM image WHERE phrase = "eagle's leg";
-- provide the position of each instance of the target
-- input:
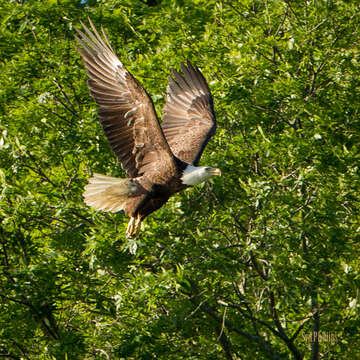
(133, 226)
(130, 228)
(137, 224)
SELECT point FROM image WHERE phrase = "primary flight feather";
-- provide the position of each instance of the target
(159, 161)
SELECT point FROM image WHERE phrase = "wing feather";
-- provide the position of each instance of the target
(126, 111)
(189, 119)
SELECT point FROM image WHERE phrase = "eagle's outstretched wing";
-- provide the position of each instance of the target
(189, 119)
(126, 111)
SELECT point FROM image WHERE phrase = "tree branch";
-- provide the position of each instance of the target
(289, 343)
(213, 313)
(315, 329)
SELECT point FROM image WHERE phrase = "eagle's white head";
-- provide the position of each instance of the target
(194, 175)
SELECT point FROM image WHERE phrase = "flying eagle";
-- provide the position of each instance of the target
(159, 160)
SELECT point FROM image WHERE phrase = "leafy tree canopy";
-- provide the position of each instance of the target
(259, 264)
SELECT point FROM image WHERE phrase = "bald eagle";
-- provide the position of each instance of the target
(159, 160)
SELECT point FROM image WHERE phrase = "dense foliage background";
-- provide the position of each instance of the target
(262, 263)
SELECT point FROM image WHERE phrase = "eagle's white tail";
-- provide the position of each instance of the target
(107, 193)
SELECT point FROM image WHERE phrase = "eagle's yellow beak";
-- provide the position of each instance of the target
(215, 171)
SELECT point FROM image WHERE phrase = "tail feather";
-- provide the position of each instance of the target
(107, 193)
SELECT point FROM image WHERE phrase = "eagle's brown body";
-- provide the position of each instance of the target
(158, 160)
(152, 194)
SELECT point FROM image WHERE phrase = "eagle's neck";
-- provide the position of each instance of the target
(194, 175)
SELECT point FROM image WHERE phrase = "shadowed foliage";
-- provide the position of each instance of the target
(261, 263)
